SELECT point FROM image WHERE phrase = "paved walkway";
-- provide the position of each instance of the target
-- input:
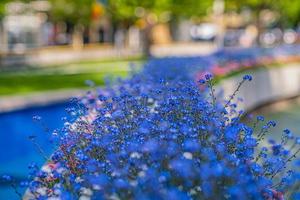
(61, 55)
(16, 102)
(183, 49)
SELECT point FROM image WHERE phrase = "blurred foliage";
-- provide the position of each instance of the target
(254, 5)
(131, 10)
(4, 2)
(128, 11)
(289, 10)
(72, 11)
(125, 11)
(2, 7)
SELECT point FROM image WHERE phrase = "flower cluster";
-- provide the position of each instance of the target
(158, 136)
(226, 61)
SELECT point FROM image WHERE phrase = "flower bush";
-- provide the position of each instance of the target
(226, 61)
(158, 136)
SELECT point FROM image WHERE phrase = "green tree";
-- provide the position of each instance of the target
(127, 12)
(3, 4)
(72, 11)
(289, 10)
(75, 13)
(2, 9)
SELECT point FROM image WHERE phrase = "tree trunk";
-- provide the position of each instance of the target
(147, 40)
(259, 28)
(3, 38)
(77, 37)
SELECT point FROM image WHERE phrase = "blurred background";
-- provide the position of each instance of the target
(50, 48)
(137, 28)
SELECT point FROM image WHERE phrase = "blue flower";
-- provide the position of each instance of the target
(202, 81)
(6, 178)
(208, 77)
(156, 135)
(260, 118)
(247, 77)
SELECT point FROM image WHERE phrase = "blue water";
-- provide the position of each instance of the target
(16, 150)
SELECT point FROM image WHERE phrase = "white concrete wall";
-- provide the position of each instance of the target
(268, 85)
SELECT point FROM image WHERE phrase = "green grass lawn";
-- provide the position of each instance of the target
(67, 76)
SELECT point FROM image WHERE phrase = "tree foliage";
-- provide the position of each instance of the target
(289, 10)
(2, 7)
(121, 10)
(72, 11)
(3, 4)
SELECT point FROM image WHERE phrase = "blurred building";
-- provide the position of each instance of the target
(31, 25)
(25, 26)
